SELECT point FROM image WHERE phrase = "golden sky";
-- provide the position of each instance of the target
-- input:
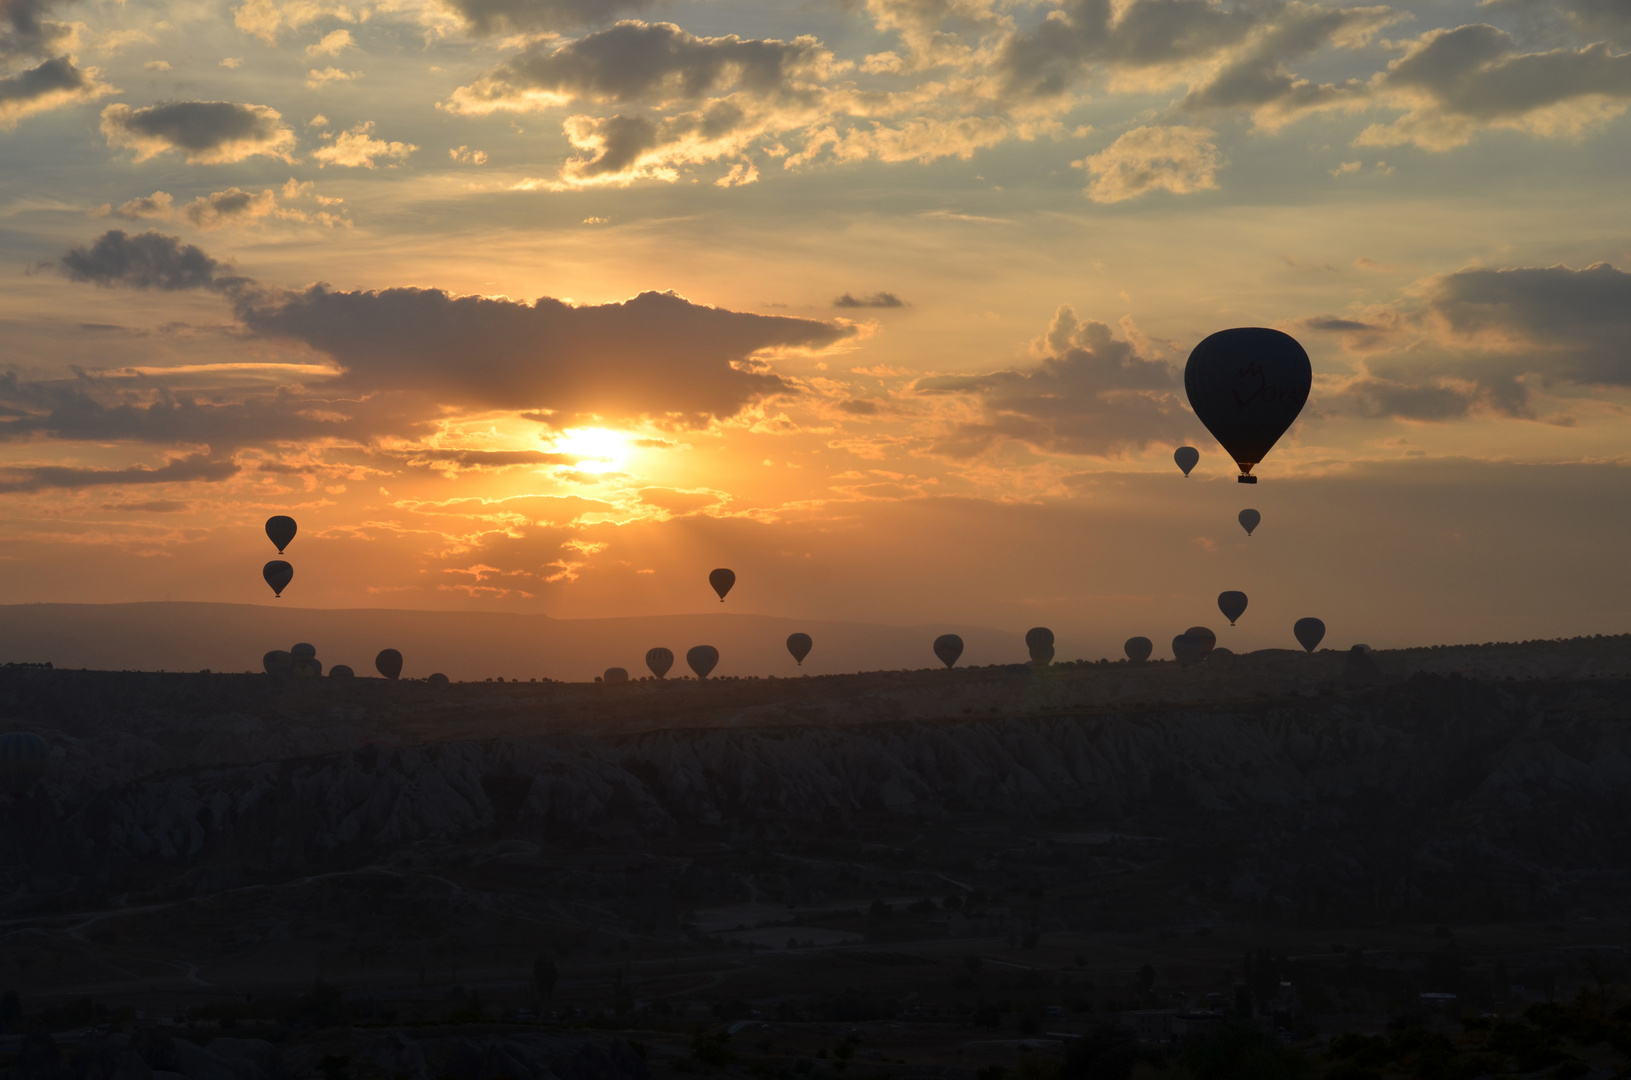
(555, 305)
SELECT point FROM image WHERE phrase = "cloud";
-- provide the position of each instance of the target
(316, 80)
(265, 18)
(532, 16)
(51, 85)
(197, 467)
(205, 132)
(491, 459)
(1176, 158)
(232, 207)
(1606, 18)
(149, 260)
(25, 31)
(333, 43)
(1453, 84)
(876, 300)
(357, 148)
(1091, 394)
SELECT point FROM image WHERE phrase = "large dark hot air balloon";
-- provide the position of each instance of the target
(615, 675)
(799, 645)
(948, 647)
(1039, 640)
(1232, 604)
(722, 580)
(1250, 520)
(1247, 385)
(1187, 458)
(1204, 636)
(436, 680)
(280, 530)
(1188, 649)
(278, 574)
(24, 758)
(702, 659)
(659, 661)
(278, 662)
(1138, 649)
(1310, 632)
(388, 663)
(303, 651)
(1220, 657)
(341, 671)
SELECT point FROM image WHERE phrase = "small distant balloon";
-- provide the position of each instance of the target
(1247, 386)
(1310, 632)
(615, 675)
(702, 659)
(341, 671)
(388, 663)
(799, 645)
(722, 580)
(659, 661)
(303, 651)
(24, 758)
(1187, 458)
(1138, 649)
(1039, 640)
(1188, 649)
(278, 574)
(280, 530)
(1232, 604)
(1250, 520)
(436, 680)
(948, 647)
(1205, 636)
(278, 662)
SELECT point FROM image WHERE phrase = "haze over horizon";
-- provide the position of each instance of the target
(551, 306)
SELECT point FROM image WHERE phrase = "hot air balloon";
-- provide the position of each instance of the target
(1138, 649)
(388, 663)
(280, 530)
(799, 645)
(436, 680)
(1247, 385)
(616, 675)
(948, 647)
(278, 662)
(1232, 604)
(303, 651)
(1249, 520)
(341, 671)
(1310, 632)
(722, 580)
(659, 661)
(1205, 636)
(1220, 657)
(1039, 640)
(702, 658)
(1187, 458)
(24, 758)
(1188, 649)
(278, 574)
(308, 669)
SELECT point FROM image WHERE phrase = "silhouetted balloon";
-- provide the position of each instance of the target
(799, 645)
(1310, 632)
(341, 671)
(1187, 458)
(702, 659)
(308, 669)
(616, 674)
(948, 647)
(278, 574)
(659, 661)
(303, 651)
(1188, 649)
(1207, 638)
(1220, 657)
(1138, 649)
(1247, 385)
(280, 530)
(388, 663)
(278, 662)
(436, 680)
(1250, 520)
(24, 758)
(1039, 640)
(1232, 604)
(722, 580)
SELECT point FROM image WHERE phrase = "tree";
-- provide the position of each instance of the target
(543, 977)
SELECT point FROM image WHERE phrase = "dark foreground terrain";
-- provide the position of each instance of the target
(1285, 865)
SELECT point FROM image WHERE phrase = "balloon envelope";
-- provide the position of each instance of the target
(436, 680)
(722, 580)
(1188, 649)
(948, 647)
(388, 663)
(1187, 458)
(1205, 636)
(303, 651)
(1232, 604)
(1247, 385)
(280, 530)
(616, 674)
(1250, 520)
(659, 661)
(799, 645)
(278, 574)
(341, 671)
(24, 757)
(278, 662)
(1039, 640)
(702, 659)
(307, 669)
(1310, 632)
(1138, 649)
(1220, 657)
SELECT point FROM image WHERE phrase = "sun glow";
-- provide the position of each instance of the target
(600, 449)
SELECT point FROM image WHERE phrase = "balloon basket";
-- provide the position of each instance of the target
(1245, 479)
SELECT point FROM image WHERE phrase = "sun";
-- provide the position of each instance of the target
(600, 449)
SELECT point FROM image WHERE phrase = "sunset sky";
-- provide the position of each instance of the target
(555, 305)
